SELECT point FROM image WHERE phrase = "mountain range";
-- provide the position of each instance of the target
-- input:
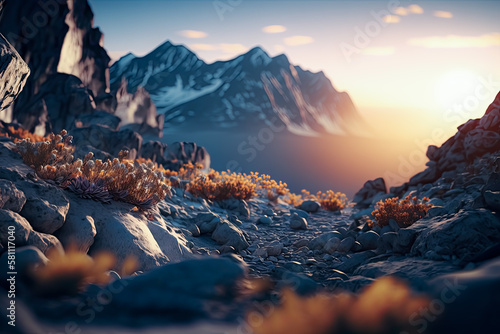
(243, 94)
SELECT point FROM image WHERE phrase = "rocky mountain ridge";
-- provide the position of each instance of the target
(250, 90)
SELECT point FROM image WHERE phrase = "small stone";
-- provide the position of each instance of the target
(300, 213)
(300, 243)
(275, 249)
(337, 273)
(293, 266)
(310, 206)
(260, 252)
(269, 212)
(357, 247)
(346, 245)
(225, 249)
(265, 220)
(320, 241)
(194, 229)
(298, 223)
(332, 245)
(368, 240)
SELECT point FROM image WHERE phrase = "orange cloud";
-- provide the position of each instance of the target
(456, 41)
(442, 14)
(192, 33)
(391, 19)
(402, 11)
(415, 9)
(298, 40)
(274, 29)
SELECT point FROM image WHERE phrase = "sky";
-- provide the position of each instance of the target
(412, 68)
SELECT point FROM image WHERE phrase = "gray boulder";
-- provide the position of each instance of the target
(21, 227)
(332, 245)
(309, 206)
(368, 240)
(364, 197)
(464, 235)
(79, 229)
(207, 222)
(346, 245)
(11, 198)
(320, 241)
(297, 222)
(44, 242)
(14, 73)
(227, 234)
(188, 289)
(46, 205)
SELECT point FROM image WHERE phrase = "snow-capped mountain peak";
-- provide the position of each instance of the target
(249, 90)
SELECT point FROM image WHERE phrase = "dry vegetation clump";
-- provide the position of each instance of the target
(384, 307)
(20, 134)
(120, 179)
(219, 186)
(144, 183)
(332, 201)
(69, 272)
(405, 212)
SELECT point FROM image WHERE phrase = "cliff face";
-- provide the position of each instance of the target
(54, 36)
(83, 53)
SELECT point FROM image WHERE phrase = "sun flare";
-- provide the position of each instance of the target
(454, 86)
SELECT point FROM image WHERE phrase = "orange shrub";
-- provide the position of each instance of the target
(120, 179)
(20, 134)
(332, 201)
(405, 212)
(221, 186)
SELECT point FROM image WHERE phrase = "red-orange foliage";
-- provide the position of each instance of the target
(20, 134)
(405, 212)
(217, 186)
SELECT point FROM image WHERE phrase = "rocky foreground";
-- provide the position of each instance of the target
(194, 255)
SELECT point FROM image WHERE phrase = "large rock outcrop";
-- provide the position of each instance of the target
(51, 217)
(13, 74)
(66, 56)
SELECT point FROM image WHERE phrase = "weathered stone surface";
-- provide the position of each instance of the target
(46, 205)
(13, 74)
(297, 222)
(320, 241)
(11, 198)
(44, 242)
(12, 221)
(467, 295)
(182, 289)
(207, 222)
(78, 230)
(106, 139)
(309, 206)
(332, 245)
(363, 198)
(66, 43)
(368, 240)
(227, 234)
(463, 235)
(413, 269)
